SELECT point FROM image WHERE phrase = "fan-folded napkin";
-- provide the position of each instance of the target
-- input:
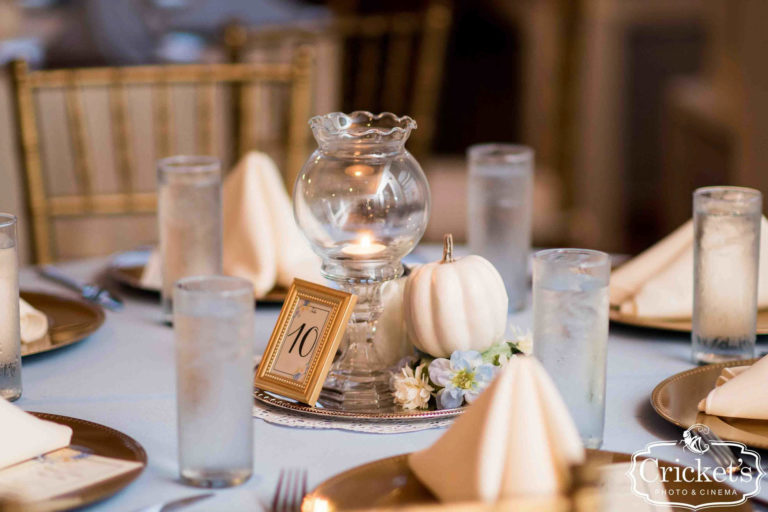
(34, 323)
(659, 282)
(261, 241)
(25, 436)
(740, 392)
(516, 439)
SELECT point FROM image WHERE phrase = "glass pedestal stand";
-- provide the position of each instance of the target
(359, 380)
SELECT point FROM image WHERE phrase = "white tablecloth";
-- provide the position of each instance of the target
(123, 377)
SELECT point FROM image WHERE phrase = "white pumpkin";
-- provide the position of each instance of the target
(455, 304)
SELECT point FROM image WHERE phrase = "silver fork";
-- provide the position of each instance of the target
(721, 453)
(290, 491)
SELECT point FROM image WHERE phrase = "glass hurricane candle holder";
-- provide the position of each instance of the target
(363, 202)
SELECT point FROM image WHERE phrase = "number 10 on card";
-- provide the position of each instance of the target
(304, 341)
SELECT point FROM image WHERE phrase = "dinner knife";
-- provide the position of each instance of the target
(90, 292)
(178, 504)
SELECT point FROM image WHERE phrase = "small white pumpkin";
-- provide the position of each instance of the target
(455, 304)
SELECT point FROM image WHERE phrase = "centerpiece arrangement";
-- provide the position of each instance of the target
(363, 202)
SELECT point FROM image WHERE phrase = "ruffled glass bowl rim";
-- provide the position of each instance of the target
(339, 124)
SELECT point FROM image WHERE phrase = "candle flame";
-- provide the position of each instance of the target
(365, 241)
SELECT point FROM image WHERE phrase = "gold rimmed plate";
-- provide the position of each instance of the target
(69, 321)
(287, 404)
(93, 438)
(390, 483)
(679, 325)
(676, 400)
(127, 267)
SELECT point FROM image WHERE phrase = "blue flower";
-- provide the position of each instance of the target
(463, 377)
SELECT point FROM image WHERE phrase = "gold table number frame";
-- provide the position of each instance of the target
(304, 342)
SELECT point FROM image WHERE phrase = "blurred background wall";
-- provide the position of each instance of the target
(629, 104)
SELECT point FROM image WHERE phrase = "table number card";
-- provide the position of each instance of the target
(304, 341)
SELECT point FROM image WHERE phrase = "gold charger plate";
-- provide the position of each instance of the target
(390, 483)
(126, 268)
(97, 439)
(676, 400)
(291, 405)
(69, 321)
(679, 325)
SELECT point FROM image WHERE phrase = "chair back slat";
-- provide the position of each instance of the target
(121, 137)
(163, 120)
(397, 66)
(206, 96)
(78, 136)
(164, 83)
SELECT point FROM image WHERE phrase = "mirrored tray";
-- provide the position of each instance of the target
(402, 415)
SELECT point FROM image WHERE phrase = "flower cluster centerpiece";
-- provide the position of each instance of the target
(424, 382)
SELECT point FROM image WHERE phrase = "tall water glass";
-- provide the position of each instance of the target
(213, 324)
(499, 208)
(10, 340)
(570, 331)
(189, 214)
(726, 251)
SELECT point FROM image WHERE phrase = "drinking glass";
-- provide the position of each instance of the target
(499, 212)
(213, 325)
(726, 251)
(570, 331)
(189, 214)
(10, 340)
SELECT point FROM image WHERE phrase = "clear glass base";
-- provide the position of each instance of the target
(359, 380)
(592, 443)
(357, 391)
(215, 479)
(702, 358)
(10, 394)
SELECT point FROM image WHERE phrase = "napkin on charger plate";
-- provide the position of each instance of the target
(658, 282)
(33, 323)
(516, 439)
(740, 392)
(24, 436)
(261, 240)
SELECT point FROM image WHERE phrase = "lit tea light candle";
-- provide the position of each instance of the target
(365, 247)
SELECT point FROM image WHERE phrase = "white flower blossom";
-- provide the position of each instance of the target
(411, 388)
(523, 339)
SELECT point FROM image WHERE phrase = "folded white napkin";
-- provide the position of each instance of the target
(23, 436)
(516, 439)
(659, 282)
(740, 392)
(34, 323)
(261, 241)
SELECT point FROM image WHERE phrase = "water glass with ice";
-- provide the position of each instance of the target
(10, 341)
(570, 331)
(189, 216)
(500, 197)
(213, 326)
(726, 250)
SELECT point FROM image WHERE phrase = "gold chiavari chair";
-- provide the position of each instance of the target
(234, 86)
(388, 62)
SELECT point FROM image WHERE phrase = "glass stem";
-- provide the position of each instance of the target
(358, 351)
